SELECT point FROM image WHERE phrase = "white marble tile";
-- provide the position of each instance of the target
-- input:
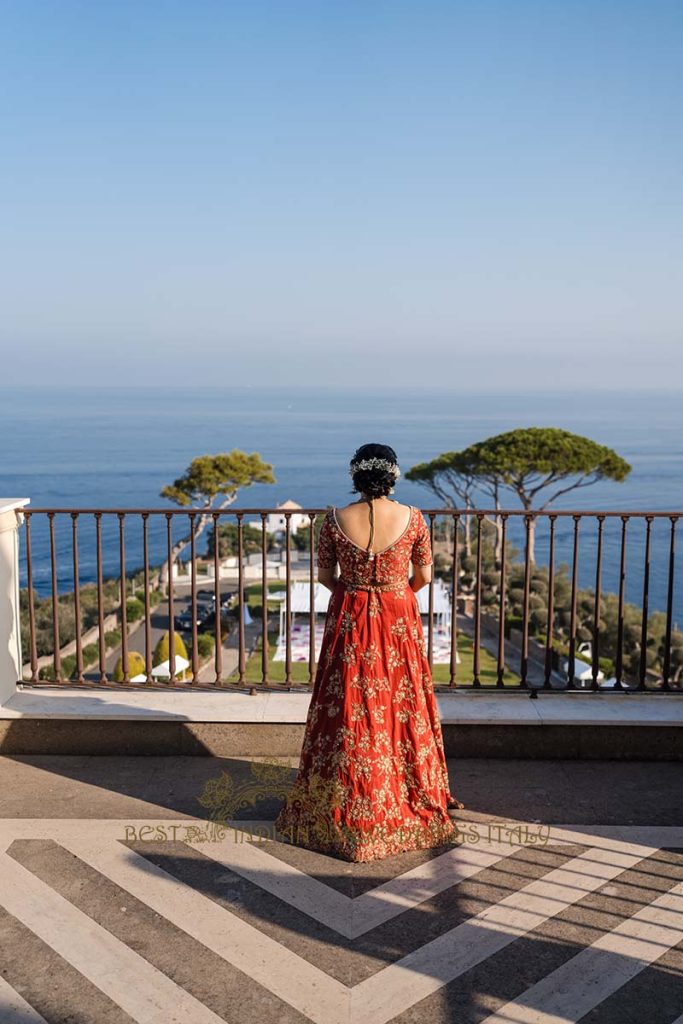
(487, 709)
(617, 709)
(9, 504)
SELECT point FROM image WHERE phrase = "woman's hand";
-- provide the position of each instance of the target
(327, 578)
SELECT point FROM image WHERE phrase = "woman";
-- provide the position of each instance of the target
(372, 778)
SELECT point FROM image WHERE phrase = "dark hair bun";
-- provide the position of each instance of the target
(375, 482)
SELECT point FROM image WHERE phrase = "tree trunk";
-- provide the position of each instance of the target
(467, 529)
(498, 522)
(177, 549)
(532, 541)
(498, 549)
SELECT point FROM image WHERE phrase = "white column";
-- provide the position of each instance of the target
(11, 518)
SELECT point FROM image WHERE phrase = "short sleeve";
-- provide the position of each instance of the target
(422, 545)
(327, 551)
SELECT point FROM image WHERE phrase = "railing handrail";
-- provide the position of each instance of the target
(317, 510)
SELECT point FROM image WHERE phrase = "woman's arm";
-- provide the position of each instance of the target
(421, 577)
(327, 555)
(326, 576)
(421, 556)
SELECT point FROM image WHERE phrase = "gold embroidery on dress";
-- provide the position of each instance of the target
(394, 658)
(400, 627)
(358, 712)
(348, 653)
(347, 622)
(371, 653)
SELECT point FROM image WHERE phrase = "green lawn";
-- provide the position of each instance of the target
(488, 669)
(255, 596)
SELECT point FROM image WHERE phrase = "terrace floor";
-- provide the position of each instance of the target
(106, 920)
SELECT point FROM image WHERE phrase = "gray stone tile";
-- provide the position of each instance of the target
(654, 996)
(561, 792)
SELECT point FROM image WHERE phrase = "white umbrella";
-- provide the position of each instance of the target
(582, 670)
(163, 671)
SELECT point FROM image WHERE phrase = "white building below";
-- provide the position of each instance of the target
(276, 522)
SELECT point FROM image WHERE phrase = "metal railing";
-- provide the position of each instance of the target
(472, 549)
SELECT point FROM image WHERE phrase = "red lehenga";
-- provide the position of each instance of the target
(372, 778)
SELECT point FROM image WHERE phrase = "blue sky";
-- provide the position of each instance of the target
(481, 193)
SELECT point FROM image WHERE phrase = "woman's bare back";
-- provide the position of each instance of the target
(391, 521)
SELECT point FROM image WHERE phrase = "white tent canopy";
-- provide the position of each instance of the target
(300, 596)
(442, 601)
(300, 601)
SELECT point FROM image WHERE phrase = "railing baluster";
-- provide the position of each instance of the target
(619, 664)
(311, 599)
(170, 596)
(571, 665)
(550, 625)
(596, 611)
(430, 615)
(193, 595)
(288, 600)
(476, 654)
(666, 668)
(502, 597)
(646, 596)
(124, 599)
(31, 601)
(265, 647)
(524, 661)
(241, 597)
(56, 654)
(218, 649)
(77, 598)
(100, 602)
(148, 615)
(454, 603)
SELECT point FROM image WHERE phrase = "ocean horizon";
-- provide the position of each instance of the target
(111, 447)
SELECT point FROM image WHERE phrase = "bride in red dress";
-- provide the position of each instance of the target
(372, 778)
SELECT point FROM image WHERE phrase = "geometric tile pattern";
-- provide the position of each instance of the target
(156, 922)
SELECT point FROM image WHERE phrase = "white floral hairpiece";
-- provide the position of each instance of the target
(374, 463)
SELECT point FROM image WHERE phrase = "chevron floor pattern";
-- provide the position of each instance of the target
(113, 922)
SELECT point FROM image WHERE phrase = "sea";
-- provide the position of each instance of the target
(79, 447)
